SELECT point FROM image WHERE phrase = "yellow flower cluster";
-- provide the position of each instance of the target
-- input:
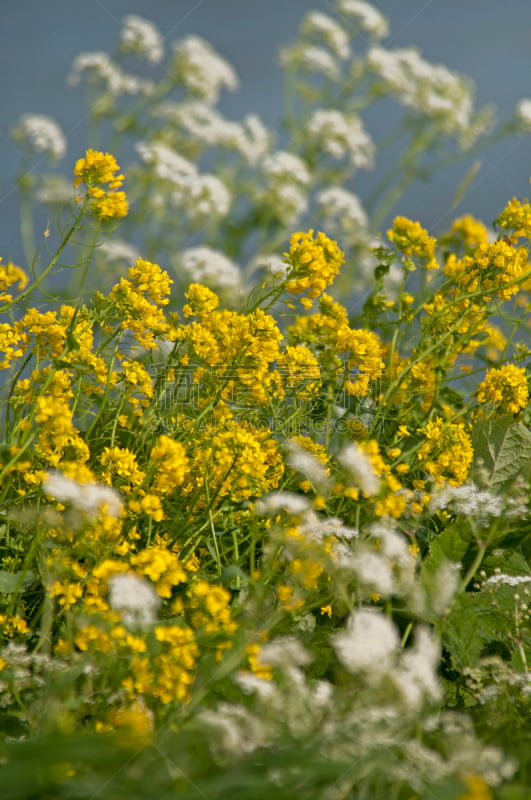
(313, 265)
(468, 230)
(506, 388)
(9, 275)
(446, 452)
(171, 465)
(95, 169)
(495, 268)
(201, 301)
(411, 239)
(236, 461)
(516, 219)
(130, 299)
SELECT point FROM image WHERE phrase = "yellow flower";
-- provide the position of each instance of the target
(314, 263)
(100, 168)
(412, 239)
(9, 275)
(505, 387)
(516, 218)
(447, 451)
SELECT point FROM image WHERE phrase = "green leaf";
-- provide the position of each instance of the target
(15, 581)
(449, 545)
(503, 448)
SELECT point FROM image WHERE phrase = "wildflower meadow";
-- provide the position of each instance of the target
(257, 539)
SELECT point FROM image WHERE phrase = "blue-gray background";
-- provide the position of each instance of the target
(487, 39)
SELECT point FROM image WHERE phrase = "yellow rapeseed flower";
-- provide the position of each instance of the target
(505, 387)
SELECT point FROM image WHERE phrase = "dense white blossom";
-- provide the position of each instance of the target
(101, 67)
(42, 134)
(141, 36)
(286, 167)
(310, 58)
(201, 70)
(202, 122)
(342, 212)
(135, 598)
(368, 643)
(300, 459)
(118, 250)
(55, 190)
(341, 136)
(367, 16)
(430, 89)
(204, 265)
(335, 36)
(523, 115)
(274, 502)
(86, 497)
(166, 163)
(416, 675)
(358, 465)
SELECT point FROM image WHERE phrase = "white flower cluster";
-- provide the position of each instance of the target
(523, 116)
(302, 57)
(359, 467)
(288, 177)
(203, 196)
(367, 17)
(430, 89)
(342, 210)
(141, 36)
(210, 267)
(481, 504)
(270, 504)
(201, 70)
(118, 250)
(341, 136)
(300, 459)
(100, 67)
(42, 134)
(331, 31)
(135, 598)
(55, 190)
(89, 498)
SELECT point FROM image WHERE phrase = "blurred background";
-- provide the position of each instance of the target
(486, 39)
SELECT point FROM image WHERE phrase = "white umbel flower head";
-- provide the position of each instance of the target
(141, 36)
(210, 267)
(42, 134)
(416, 676)
(201, 70)
(167, 164)
(367, 17)
(358, 465)
(274, 502)
(310, 58)
(341, 136)
(118, 250)
(368, 644)
(100, 67)
(342, 209)
(523, 115)
(86, 497)
(135, 598)
(307, 464)
(331, 31)
(283, 166)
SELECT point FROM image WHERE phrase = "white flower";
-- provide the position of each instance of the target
(43, 135)
(167, 164)
(368, 17)
(335, 36)
(135, 598)
(55, 190)
(202, 71)
(342, 210)
(118, 250)
(315, 528)
(209, 198)
(523, 115)
(306, 463)
(237, 731)
(368, 644)
(271, 262)
(416, 676)
(309, 58)
(501, 578)
(202, 122)
(101, 67)
(211, 267)
(430, 89)
(273, 502)
(141, 36)
(374, 572)
(256, 139)
(286, 167)
(341, 136)
(357, 463)
(86, 497)
(285, 652)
